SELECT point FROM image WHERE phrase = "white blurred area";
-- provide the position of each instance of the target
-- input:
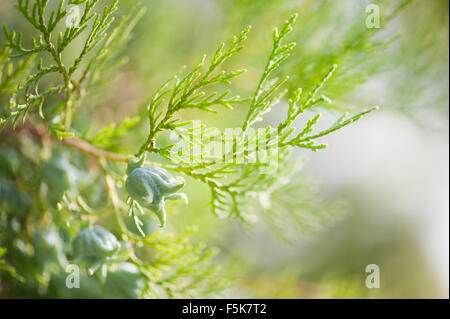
(401, 170)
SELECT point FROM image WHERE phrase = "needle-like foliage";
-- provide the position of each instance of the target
(244, 172)
(62, 189)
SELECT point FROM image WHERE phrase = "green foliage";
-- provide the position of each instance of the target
(184, 94)
(98, 49)
(108, 137)
(232, 183)
(264, 96)
(7, 268)
(65, 195)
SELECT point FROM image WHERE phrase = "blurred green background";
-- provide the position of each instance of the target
(377, 195)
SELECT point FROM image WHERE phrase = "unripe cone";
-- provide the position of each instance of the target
(150, 186)
(95, 243)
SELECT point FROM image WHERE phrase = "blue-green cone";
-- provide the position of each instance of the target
(150, 186)
(95, 244)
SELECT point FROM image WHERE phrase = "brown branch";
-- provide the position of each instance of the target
(87, 148)
(41, 134)
(98, 153)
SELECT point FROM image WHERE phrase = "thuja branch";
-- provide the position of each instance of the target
(189, 92)
(87, 148)
(99, 153)
(103, 42)
(40, 133)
